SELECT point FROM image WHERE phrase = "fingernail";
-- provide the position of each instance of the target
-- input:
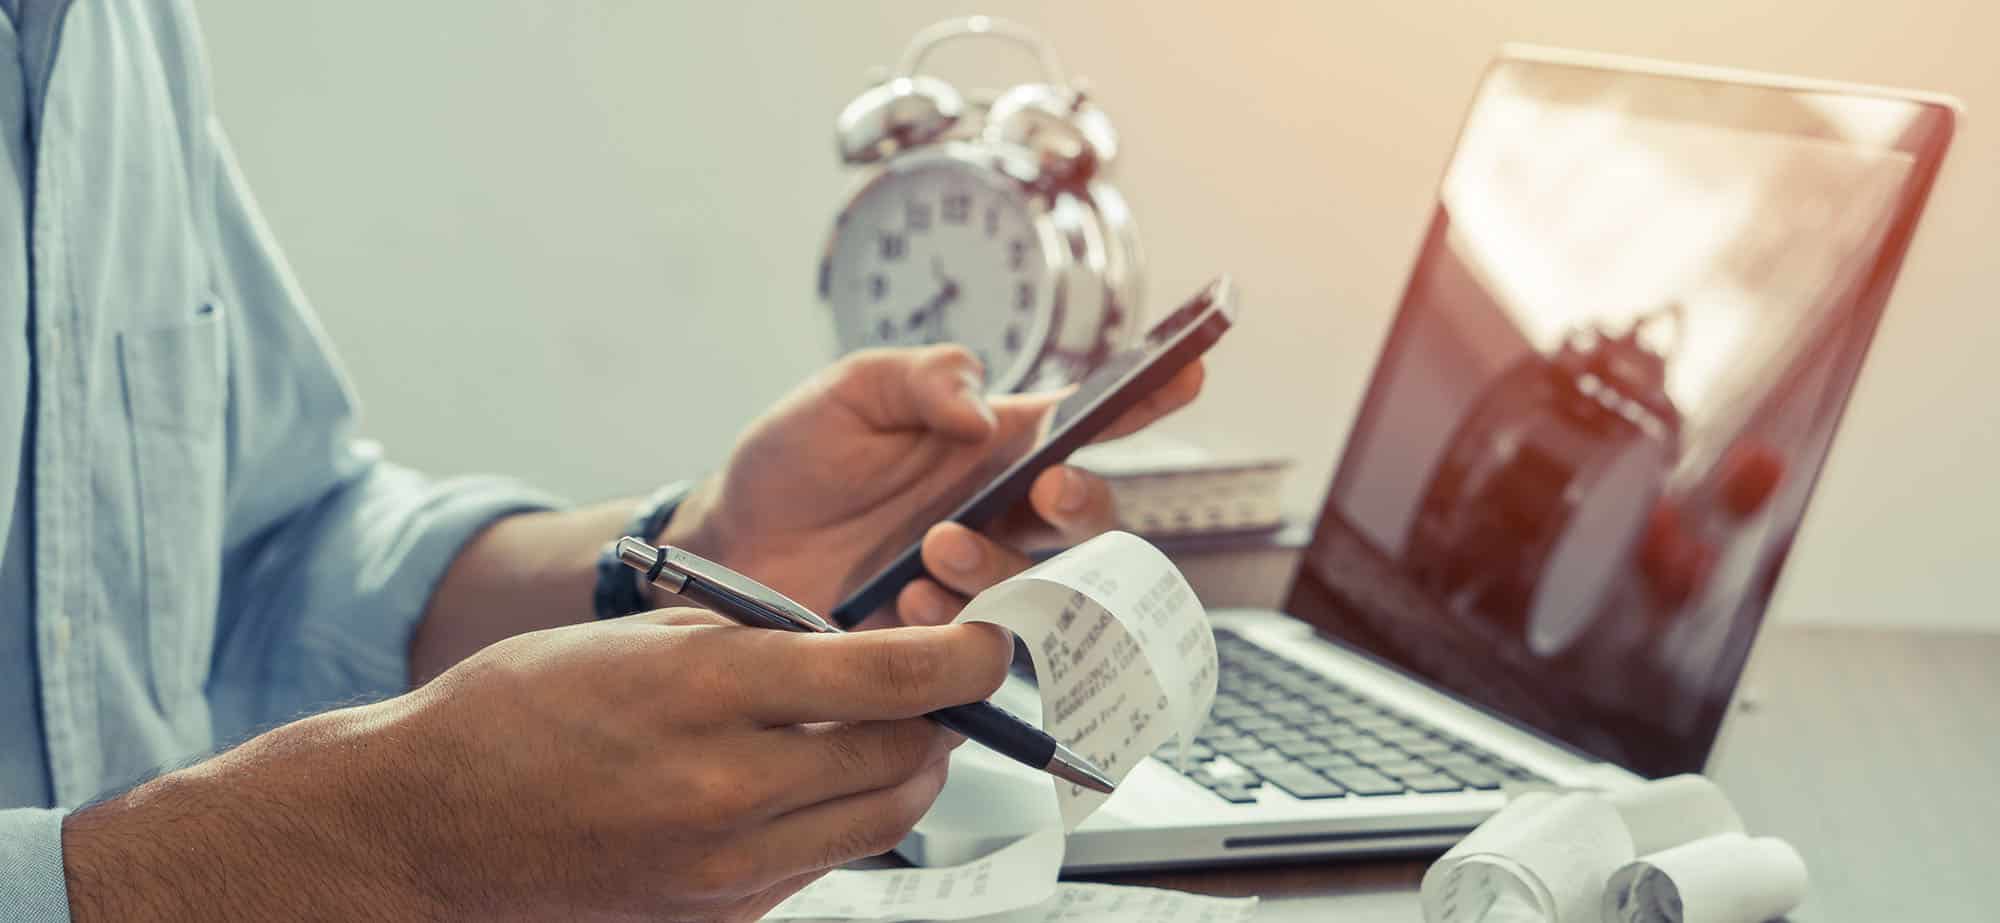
(1075, 491)
(975, 394)
(962, 554)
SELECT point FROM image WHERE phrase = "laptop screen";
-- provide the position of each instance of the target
(1616, 370)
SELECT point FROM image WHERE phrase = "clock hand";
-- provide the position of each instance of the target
(946, 296)
(946, 299)
(932, 312)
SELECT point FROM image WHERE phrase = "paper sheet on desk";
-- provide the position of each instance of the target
(1015, 885)
(1125, 660)
(1023, 873)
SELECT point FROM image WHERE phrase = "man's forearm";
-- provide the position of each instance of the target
(232, 839)
(525, 573)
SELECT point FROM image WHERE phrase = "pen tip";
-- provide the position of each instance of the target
(1069, 767)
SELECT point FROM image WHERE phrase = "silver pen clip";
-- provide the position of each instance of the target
(671, 568)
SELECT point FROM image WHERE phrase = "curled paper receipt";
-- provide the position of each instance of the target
(1124, 661)
(1123, 653)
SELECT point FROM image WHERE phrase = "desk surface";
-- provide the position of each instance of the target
(1874, 753)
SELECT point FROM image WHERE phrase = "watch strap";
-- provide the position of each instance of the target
(619, 591)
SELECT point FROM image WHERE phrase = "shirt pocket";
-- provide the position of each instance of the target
(175, 380)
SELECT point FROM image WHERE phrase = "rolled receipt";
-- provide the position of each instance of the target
(1672, 811)
(1543, 857)
(1123, 652)
(1661, 852)
(1726, 878)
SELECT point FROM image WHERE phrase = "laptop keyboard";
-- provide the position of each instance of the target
(1282, 724)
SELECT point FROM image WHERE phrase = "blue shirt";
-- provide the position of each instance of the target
(196, 546)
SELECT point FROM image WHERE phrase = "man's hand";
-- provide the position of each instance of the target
(818, 493)
(642, 768)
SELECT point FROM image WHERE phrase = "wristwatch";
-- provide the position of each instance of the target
(618, 591)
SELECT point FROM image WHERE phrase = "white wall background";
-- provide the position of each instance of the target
(490, 199)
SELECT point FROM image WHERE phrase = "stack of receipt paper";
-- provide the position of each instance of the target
(1671, 851)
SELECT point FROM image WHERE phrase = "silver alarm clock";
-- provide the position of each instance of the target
(983, 219)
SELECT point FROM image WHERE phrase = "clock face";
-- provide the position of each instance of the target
(944, 251)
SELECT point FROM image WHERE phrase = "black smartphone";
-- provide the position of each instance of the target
(1096, 402)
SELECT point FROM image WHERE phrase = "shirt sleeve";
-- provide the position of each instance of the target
(330, 552)
(32, 891)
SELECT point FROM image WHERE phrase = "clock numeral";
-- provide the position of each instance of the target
(918, 214)
(885, 331)
(877, 286)
(1017, 254)
(1024, 296)
(1013, 339)
(893, 247)
(992, 220)
(956, 208)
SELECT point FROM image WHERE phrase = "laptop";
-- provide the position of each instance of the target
(1560, 514)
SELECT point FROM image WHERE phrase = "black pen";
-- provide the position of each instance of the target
(748, 602)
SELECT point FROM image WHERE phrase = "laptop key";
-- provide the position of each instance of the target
(1405, 769)
(1303, 747)
(1236, 794)
(1303, 721)
(1429, 746)
(1298, 685)
(1256, 723)
(1365, 781)
(1351, 741)
(1236, 745)
(1281, 736)
(1325, 761)
(1432, 783)
(1171, 753)
(1475, 776)
(1304, 783)
(1264, 760)
(1402, 735)
(1377, 754)
(1321, 728)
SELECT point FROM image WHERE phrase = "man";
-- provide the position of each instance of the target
(194, 551)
